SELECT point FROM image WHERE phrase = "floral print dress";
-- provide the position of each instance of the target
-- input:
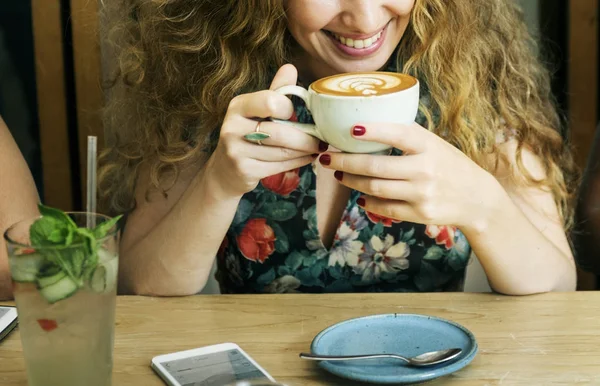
(274, 246)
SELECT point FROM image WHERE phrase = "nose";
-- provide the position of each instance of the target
(362, 16)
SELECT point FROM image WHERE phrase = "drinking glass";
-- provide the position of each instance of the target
(67, 314)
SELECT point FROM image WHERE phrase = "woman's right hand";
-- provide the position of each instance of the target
(238, 165)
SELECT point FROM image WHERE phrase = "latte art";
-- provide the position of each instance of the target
(363, 84)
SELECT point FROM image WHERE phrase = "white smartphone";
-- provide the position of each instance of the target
(8, 320)
(217, 365)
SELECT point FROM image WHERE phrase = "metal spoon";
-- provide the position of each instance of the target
(426, 359)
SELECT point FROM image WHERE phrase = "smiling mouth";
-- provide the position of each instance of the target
(357, 43)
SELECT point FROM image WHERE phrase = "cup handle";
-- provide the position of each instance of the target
(303, 94)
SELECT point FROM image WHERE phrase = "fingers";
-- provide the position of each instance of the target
(275, 154)
(267, 103)
(273, 168)
(288, 137)
(284, 142)
(397, 210)
(384, 167)
(410, 138)
(261, 104)
(287, 75)
(388, 189)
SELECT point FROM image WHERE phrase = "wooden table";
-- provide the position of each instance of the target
(550, 339)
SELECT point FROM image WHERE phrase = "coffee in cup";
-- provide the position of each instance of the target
(363, 84)
(340, 101)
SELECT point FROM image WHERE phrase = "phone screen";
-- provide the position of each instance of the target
(218, 368)
(8, 320)
(3, 311)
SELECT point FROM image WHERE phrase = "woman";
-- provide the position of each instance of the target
(18, 199)
(484, 168)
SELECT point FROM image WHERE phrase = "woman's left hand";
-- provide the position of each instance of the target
(431, 183)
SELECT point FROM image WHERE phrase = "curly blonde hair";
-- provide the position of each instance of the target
(180, 62)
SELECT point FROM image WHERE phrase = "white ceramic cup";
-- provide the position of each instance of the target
(336, 115)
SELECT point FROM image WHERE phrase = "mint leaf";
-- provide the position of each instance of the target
(78, 260)
(89, 267)
(56, 214)
(60, 258)
(69, 238)
(48, 270)
(92, 257)
(74, 250)
(42, 231)
(101, 230)
(57, 236)
(87, 236)
(53, 228)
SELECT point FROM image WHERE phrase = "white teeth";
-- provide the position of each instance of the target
(358, 43)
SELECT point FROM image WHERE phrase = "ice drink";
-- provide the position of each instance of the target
(65, 290)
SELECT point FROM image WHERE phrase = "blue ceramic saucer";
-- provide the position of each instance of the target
(403, 334)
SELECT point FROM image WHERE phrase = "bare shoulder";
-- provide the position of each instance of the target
(535, 201)
(507, 169)
(153, 203)
(515, 182)
(19, 197)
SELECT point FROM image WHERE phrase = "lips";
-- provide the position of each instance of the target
(358, 45)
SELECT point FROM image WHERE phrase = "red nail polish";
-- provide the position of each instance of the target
(325, 159)
(323, 146)
(314, 156)
(359, 131)
(338, 175)
(360, 201)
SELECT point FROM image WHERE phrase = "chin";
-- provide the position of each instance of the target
(374, 64)
(362, 67)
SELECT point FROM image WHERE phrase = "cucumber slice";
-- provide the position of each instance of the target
(59, 290)
(104, 277)
(25, 268)
(50, 279)
(23, 276)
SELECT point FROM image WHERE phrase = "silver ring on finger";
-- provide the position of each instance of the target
(257, 136)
